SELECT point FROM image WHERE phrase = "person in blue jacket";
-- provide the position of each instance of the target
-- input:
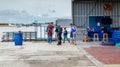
(65, 35)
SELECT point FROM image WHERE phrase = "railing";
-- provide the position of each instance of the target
(27, 36)
(80, 33)
(31, 36)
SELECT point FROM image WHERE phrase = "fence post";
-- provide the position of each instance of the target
(30, 36)
(13, 36)
(8, 36)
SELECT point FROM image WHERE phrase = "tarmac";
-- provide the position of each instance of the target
(42, 54)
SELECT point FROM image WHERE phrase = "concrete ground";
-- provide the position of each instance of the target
(42, 54)
(105, 51)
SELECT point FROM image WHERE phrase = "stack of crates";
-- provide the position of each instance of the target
(115, 37)
(117, 44)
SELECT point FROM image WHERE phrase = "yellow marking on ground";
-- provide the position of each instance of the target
(111, 64)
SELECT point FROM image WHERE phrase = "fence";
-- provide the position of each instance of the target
(80, 33)
(39, 34)
(27, 36)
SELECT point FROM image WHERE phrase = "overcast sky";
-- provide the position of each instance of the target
(54, 8)
(26, 11)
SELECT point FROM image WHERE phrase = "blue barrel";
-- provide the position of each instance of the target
(18, 39)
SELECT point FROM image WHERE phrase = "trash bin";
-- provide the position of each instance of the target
(18, 39)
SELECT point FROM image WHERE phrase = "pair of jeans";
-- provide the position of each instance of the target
(59, 38)
(65, 37)
(49, 40)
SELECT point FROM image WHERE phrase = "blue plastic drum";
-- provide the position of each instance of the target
(18, 39)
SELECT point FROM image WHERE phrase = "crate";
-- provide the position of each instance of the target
(117, 44)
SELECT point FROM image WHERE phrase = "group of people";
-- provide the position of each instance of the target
(59, 30)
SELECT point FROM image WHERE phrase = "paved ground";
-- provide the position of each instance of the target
(108, 55)
(41, 54)
(101, 56)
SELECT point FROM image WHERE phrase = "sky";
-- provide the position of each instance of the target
(26, 11)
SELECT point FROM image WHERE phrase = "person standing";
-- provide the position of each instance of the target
(73, 33)
(59, 34)
(65, 35)
(49, 31)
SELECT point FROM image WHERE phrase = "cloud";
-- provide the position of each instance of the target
(9, 13)
(14, 16)
(56, 8)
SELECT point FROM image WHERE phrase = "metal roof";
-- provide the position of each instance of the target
(95, 0)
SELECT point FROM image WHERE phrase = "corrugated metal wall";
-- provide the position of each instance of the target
(82, 9)
(63, 22)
